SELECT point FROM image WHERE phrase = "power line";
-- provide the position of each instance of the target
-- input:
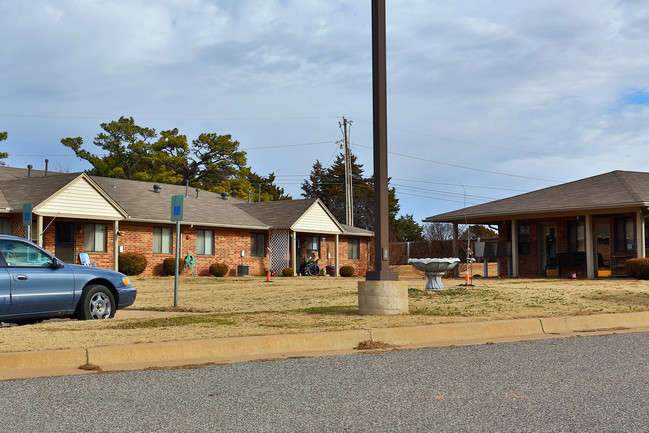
(413, 188)
(464, 167)
(289, 145)
(509, 149)
(457, 184)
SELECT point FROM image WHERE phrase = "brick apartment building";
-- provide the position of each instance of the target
(586, 228)
(75, 213)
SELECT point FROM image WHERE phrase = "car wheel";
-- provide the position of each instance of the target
(97, 302)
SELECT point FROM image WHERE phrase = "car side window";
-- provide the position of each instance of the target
(19, 254)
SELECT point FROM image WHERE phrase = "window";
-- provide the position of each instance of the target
(94, 237)
(576, 237)
(624, 234)
(312, 244)
(19, 254)
(205, 242)
(523, 239)
(353, 249)
(162, 240)
(5, 226)
(258, 245)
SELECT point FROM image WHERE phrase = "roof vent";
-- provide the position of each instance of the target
(198, 190)
(157, 188)
(29, 170)
(47, 161)
(224, 195)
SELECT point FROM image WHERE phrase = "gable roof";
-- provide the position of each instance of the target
(299, 215)
(614, 190)
(41, 191)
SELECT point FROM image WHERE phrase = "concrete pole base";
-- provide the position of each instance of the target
(382, 298)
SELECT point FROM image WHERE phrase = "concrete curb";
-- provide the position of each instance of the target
(458, 332)
(556, 325)
(50, 362)
(181, 352)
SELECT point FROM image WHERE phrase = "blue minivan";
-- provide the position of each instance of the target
(35, 285)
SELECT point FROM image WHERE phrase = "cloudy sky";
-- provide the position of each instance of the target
(486, 99)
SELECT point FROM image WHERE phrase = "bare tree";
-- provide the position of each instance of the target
(438, 231)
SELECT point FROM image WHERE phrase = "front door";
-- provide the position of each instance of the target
(603, 253)
(548, 251)
(64, 241)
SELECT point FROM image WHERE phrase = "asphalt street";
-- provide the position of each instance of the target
(579, 384)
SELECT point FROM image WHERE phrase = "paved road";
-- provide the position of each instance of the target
(588, 384)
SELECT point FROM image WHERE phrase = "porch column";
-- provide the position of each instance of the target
(514, 249)
(590, 247)
(294, 263)
(39, 228)
(456, 235)
(336, 259)
(640, 233)
(115, 246)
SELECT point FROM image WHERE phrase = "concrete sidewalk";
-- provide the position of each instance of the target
(240, 349)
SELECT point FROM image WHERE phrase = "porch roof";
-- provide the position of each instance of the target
(609, 191)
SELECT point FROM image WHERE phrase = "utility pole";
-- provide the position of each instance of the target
(381, 270)
(349, 194)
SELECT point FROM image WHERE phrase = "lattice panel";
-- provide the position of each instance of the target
(279, 255)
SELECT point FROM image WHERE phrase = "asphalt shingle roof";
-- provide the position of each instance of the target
(142, 203)
(33, 190)
(139, 200)
(278, 214)
(617, 189)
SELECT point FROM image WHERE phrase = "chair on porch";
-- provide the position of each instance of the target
(84, 258)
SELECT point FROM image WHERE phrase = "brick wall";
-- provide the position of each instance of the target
(360, 265)
(228, 245)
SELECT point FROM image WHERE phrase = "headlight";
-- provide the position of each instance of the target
(126, 281)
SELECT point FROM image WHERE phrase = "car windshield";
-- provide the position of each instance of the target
(21, 254)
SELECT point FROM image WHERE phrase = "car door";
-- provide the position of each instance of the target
(36, 287)
(5, 291)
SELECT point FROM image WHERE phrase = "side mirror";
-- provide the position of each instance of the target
(56, 264)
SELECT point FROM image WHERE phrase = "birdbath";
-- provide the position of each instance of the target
(434, 270)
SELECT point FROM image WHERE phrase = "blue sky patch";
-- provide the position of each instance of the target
(639, 97)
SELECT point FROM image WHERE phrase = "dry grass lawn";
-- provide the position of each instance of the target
(227, 307)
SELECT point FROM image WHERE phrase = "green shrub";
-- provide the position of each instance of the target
(637, 268)
(288, 272)
(131, 263)
(219, 269)
(169, 266)
(347, 271)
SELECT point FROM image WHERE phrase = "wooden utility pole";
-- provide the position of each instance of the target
(349, 192)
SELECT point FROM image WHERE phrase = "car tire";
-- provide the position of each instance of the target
(97, 302)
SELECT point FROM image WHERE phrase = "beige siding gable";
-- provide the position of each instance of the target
(79, 199)
(316, 220)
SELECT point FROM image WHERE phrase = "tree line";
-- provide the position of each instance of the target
(215, 163)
